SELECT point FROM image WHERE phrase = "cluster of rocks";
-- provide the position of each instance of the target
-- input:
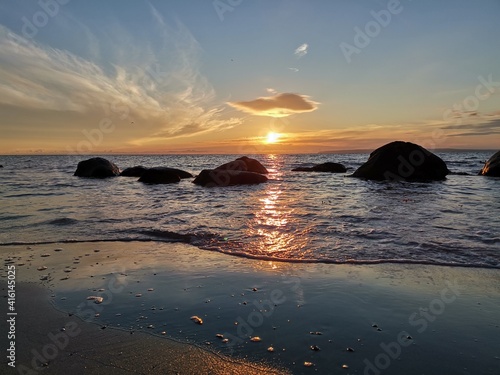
(395, 161)
(242, 171)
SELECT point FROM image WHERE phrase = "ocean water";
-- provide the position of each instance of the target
(296, 216)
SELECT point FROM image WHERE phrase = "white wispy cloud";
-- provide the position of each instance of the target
(164, 88)
(301, 50)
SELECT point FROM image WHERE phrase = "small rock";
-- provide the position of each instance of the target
(197, 319)
(350, 349)
(308, 364)
(315, 348)
(270, 349)
(96, 299)
(256, 339)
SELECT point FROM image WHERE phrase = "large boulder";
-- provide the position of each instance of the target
(403, 161)
(96, 168)
(163, 175)
(137, 171)
(492, 166)
(220, 177)
(324, 167)
(245, 164)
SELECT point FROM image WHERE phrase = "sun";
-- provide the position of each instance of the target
(272, 137)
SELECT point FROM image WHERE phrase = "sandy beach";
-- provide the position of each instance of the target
(258, 316)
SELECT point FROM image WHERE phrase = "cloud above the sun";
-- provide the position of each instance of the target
(278, 105)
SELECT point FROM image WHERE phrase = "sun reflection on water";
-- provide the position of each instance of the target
(273, 230)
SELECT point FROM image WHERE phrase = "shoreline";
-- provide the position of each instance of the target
(244, 255)
(151, 288)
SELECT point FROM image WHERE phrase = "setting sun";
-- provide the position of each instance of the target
(272, 137)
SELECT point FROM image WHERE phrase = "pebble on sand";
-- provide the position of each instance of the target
(41, 268)
(196, 319)
(45, 255)
(96, 299)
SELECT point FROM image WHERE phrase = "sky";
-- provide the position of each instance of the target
(247, 76)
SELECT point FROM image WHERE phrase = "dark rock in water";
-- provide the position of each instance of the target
(163, 175)
(245, 164)
(324, 167)
(403, 161)
(137, 171)
(1, 166)
(492, 166)
(218, 177)
(96, 168)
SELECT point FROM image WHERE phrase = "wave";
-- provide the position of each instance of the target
(194, 239)
(13, 217)
(33, 195)
(62, 221)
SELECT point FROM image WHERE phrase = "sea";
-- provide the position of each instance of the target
(294, 217)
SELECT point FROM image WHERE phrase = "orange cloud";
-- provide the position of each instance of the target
(279, 105)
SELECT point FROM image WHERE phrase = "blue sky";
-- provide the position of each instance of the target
(219, 76)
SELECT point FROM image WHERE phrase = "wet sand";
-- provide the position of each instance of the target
(346, 319)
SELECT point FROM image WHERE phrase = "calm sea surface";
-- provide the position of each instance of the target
(314, 217)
